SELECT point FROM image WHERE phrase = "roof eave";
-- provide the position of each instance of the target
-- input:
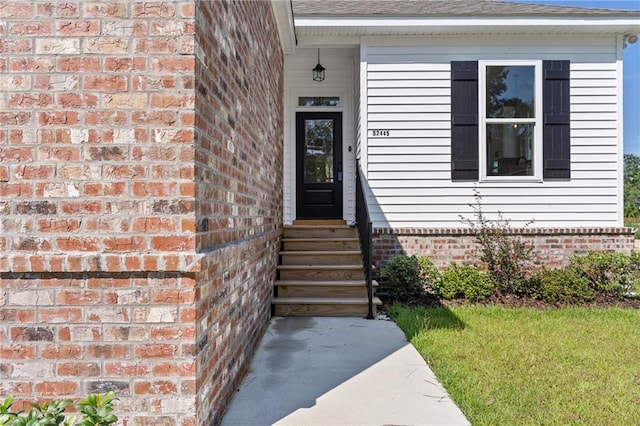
(472, 25)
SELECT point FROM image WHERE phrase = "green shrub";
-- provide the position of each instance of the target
(508, 258)
(562, 285)
(464, 281)
(410, 277)
(610, 273)
(97, 410)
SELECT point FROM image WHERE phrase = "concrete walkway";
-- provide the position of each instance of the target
(339, 371)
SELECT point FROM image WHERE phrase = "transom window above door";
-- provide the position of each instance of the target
(319, 101)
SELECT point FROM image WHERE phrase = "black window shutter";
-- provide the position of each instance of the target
(557, 120)
(464, 120)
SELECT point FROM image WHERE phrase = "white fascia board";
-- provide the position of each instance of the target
(286, 28)
(587, 24)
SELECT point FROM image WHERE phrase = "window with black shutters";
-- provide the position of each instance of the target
(510, 120)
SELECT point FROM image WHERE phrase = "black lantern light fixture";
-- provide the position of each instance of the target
(318, 71)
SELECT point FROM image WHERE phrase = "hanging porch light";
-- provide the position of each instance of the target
(318, 71)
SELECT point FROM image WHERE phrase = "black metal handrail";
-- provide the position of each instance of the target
(364, 231)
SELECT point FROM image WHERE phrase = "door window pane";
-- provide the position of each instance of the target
(510, 149)
(510, 91)
(318, 151)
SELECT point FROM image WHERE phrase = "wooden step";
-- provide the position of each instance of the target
(294, 288)
(321, 272)
(319, 222)
(320, 244)
(334, 306)
(314, 258)
(320, 231)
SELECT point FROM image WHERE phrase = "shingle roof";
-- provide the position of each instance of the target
(432, 8)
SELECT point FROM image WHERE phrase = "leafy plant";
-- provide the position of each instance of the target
(7, 417)
(465, 281)
(610, 273)
(508, 258)
(96, 410)
(563, 285)
(410, 276)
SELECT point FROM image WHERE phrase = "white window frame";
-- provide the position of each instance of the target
(537, 121)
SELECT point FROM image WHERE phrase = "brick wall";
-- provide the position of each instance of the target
(553, 246)
(139, 218)
(239, 158)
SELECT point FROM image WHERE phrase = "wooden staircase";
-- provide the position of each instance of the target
(321, 271)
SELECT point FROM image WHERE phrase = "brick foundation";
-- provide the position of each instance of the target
(140, 200)
(553, 246)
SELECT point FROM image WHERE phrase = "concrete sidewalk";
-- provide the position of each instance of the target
(339, 371)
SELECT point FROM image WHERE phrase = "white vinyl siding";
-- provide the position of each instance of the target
(409, 172)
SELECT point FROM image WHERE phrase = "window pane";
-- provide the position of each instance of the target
(318, 154)
(510, 91)
(309, 101)
(510, 149)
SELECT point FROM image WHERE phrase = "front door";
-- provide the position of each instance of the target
(319, 165)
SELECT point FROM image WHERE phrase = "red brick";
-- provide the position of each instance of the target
(105, 83)
(172, 297)
(77, 297)
(182, 369)
(32, 64)
(76, 100)
(161, 118)
(105, 351)
(32, 172)
(156, 351)
(78, 244)
(56, 118)
(77, 27)
(157, 387)
(13, 46)
(124, 244)
(81, 207)
(173, 333)
(154, 189)
(60, 315)
(156, 45)
(17, 351)
(27, 28)
(58, 225)
(16, 10)
(149, 83)
(127, 64)
(125, 369)
(153, 9)
(105, 10)
(154, 224)
(51, 388)
(174, 64)
(105, 117)
(15, 190)
(79, 369)
(172, 243)
(58, 9)
(15, 118)
(78, 64)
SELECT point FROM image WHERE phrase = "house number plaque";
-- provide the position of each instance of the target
(380, 132)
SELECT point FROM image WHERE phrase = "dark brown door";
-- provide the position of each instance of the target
(319, 165)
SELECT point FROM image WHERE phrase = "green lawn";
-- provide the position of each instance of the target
(530, 367)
